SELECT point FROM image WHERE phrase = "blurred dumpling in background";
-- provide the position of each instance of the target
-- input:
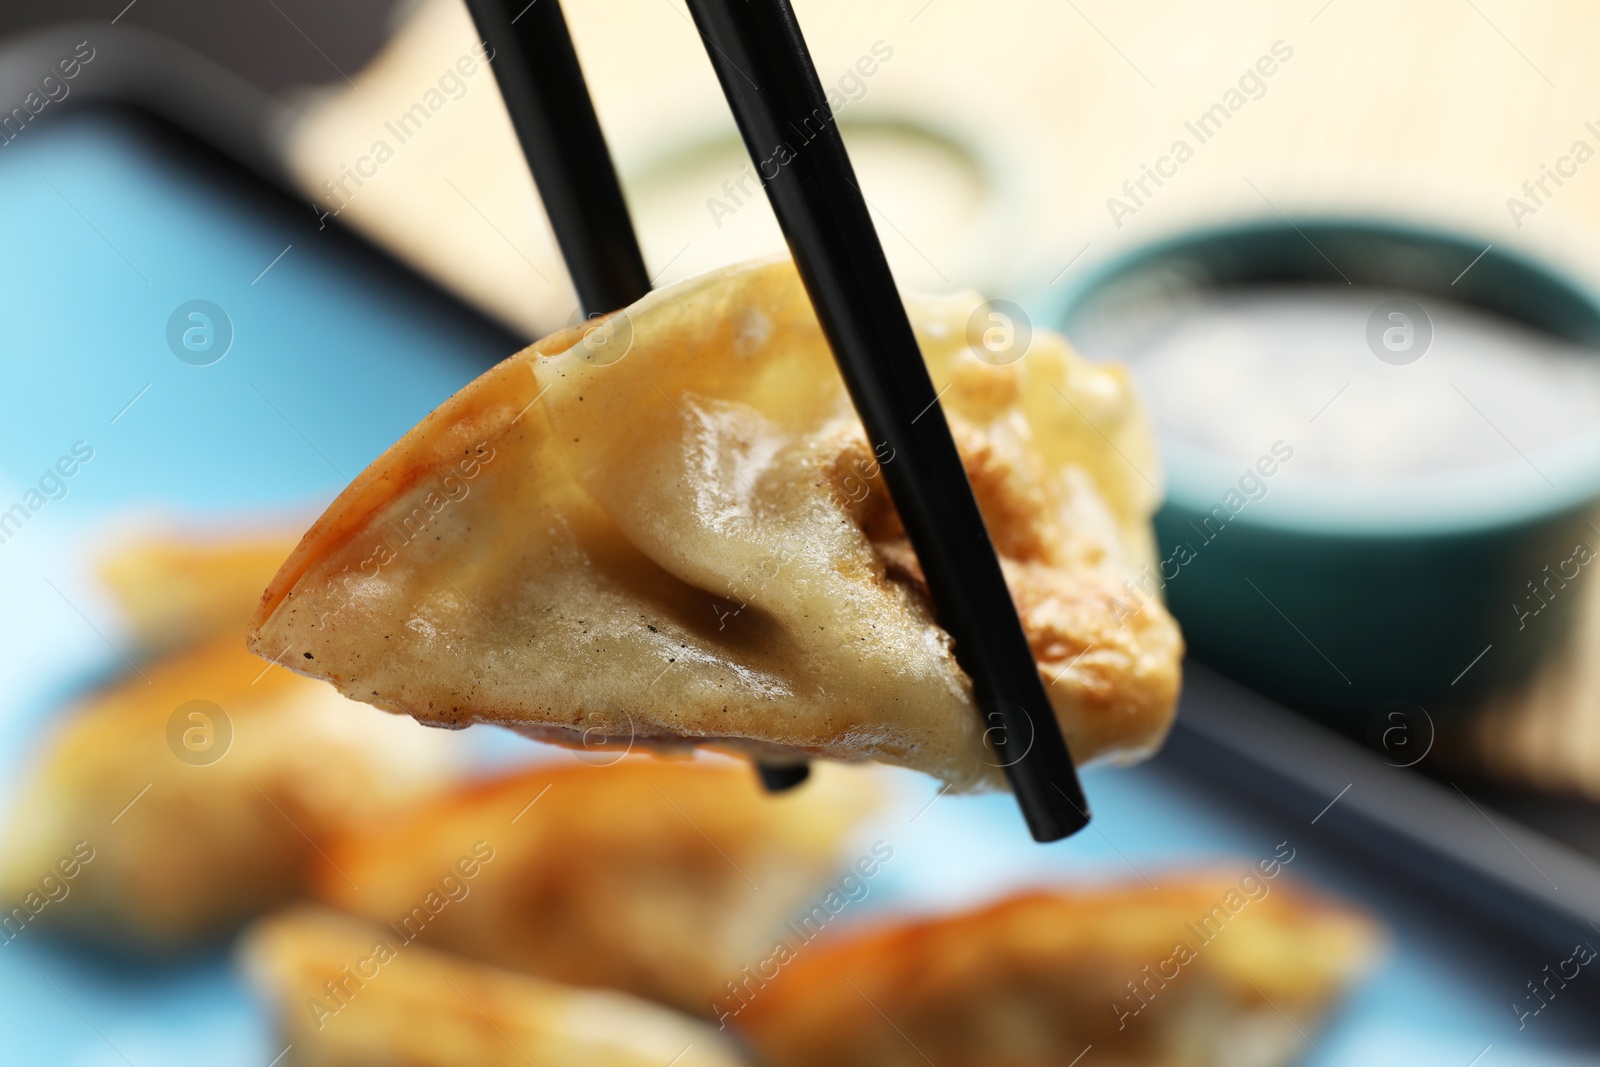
(658, 877)
(178, 587)
(346, 994)
(203, 788)
(193, 794)
(1202, 972)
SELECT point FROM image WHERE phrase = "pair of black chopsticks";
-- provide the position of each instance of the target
(771, 84)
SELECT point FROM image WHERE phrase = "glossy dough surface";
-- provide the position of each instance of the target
(351, 995)
(672, 530)
(1034, 980)
(656, 877)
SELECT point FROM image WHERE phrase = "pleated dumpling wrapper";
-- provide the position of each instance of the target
(672, 530)
(657, 877)
(346, 994)
(1205, 970)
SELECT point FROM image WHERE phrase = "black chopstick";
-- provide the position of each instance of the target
(767, 75)
(545, 93)
(537, 70)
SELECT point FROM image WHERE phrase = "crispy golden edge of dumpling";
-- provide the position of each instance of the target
(659, 877)
(1112, 659)
(193, 824)
(440, 441)
(346, 994)
(1176, 974)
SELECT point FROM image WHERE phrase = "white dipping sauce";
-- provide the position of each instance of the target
(1232, 370)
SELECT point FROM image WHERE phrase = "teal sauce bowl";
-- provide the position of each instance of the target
(1345, 597)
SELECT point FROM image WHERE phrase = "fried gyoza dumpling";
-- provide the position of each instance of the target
(656, 877)
(179, 588)
(346, 994)
(1193, 974)
(672, 530)
(192, 797)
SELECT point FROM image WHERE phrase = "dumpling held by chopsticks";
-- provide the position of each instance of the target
(672, 530)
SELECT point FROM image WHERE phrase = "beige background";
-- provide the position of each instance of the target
(990, 141)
